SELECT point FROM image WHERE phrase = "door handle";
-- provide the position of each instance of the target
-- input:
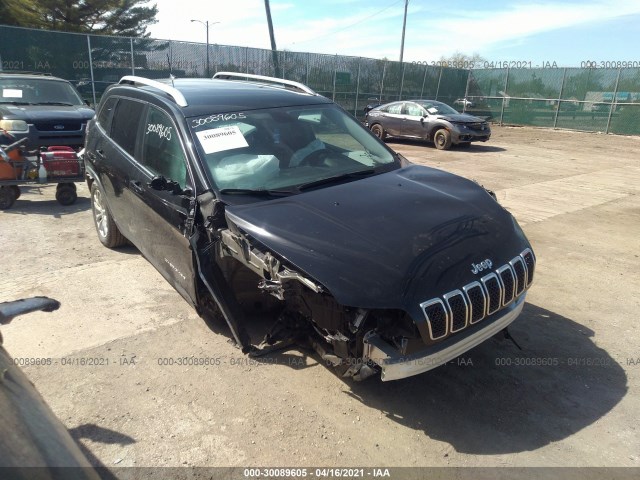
(136, 186)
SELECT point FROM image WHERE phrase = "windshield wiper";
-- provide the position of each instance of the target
(64, 104)
(17, 103)
(337, 178)
(259, 191)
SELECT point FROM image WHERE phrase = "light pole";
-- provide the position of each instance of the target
(207, 25)
(404, 26)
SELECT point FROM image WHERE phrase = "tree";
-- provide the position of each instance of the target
(108, 17)
(463, 60)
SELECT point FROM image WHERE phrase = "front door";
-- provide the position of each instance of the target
(160, 220)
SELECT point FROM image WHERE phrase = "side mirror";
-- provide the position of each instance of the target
(158, 183)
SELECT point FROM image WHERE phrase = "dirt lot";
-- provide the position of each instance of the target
(571, 397)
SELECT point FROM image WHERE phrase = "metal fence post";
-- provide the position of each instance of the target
(466, 92)
(384, 70)
(439, 78)
(355, 106)
(93, 83)
(284, 63)
(555, 120)
(401, 82)
(615, 100)
(504, 96)
(335, 73)
(133, 66)
(424, 79)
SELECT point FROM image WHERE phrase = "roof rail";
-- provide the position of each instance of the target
(171, 91)
(289, 83)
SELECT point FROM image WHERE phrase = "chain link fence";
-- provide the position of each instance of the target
(595, 100)
(602, 100)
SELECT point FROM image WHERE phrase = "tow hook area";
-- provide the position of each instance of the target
(508, 336)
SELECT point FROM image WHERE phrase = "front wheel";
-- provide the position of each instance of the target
(107, 230)
(442, 139)
(378, 131)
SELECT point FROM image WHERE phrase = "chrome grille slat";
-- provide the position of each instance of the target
(521, 274)
(458, 310)
(437, 318)
(508, 281)
(493, 289)
(530, 263)
(477, 301)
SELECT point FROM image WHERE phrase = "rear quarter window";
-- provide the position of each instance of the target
(105, 113)
(125, 124)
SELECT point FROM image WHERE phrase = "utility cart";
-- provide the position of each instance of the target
(51, 165)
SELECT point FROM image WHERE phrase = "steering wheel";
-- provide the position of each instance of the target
(315, 158)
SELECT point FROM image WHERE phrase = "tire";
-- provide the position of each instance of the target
(66, 194)
(107, 231)
(442, 139)
(378, 131)
(7, 197)
(16, 191)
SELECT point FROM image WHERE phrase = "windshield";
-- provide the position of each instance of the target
(33, 91)
(438, 108)
(286, 148)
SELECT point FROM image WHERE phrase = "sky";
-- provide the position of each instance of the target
(563, 33)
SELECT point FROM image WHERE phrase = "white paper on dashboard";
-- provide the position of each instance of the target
(221, 139)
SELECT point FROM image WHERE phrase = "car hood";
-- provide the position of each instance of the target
(461, 117)
(35, 113)
(388, 241)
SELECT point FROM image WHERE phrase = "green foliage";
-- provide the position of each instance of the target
(108, 17)
(627, 120)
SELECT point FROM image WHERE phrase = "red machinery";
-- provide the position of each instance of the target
(60, 165)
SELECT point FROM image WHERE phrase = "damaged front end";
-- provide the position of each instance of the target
(357, 341)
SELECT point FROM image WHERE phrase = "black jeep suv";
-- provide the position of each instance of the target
(248, 191)
(44, 109)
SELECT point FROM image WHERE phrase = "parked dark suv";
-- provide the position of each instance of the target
(44, 109)
(252, 193)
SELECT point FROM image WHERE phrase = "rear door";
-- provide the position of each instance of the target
(113, 156)
(393, 118)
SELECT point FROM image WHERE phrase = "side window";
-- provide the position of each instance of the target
(104, 116)
(125, 123)
(413, 110)
(395, 108)
(161, 149)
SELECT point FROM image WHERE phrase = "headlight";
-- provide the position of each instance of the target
(14, 125)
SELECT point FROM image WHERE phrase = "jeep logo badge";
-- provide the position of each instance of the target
(483, 265)
(58, 127)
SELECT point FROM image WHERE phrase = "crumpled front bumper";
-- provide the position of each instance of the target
(468, 135)
(395, 366)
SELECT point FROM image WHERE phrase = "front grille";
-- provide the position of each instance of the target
(458, 309)
(60, 126)
(477, 126)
